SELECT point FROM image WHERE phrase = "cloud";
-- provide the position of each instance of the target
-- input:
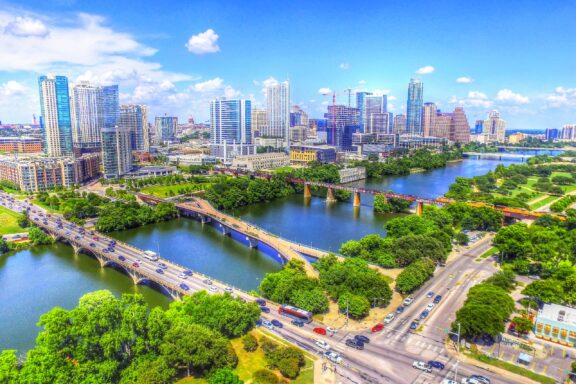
(477, 95)
(506, 95)
(269, 82)
(324, 91)
(474, 99)
(464, 80)
(425, 70)
(208, 85)
(26, 27)
(562, 97)
(204, 42)
(362, 82)
(344, 66)
(12, 88)
(390, 98)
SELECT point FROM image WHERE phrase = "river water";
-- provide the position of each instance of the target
(34, 281)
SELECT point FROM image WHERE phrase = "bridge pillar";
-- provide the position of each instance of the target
(307, 191)
(419, 208)
(76, 248)
(330, 195)
(356, 199)
(252, 243)
(204, 219)
(225, 230)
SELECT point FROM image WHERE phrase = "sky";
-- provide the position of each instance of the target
(175, 56)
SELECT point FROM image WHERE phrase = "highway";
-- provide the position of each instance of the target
(387, 358)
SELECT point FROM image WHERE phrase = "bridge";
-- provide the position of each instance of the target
(510, 212)
(497, 156)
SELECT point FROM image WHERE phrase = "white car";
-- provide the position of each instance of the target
(266, 323)
(408, 301)
(333, 357)
(330, 329)
(182, 275)
(228, 289)
(388, 319)
(213, 289)
(322, 344)
(422, 366)
(430, 306)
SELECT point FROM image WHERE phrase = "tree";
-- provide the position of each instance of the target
(265, 376)
(410, 248)
(462, 238)
(522, 324)
(9, 367)
(357, 306)
(514, 241)
(250, 343)
(548, 291)
(505, 279)
(148, 370)
(39, 237)
(3, 246)
(413, 276)
(478, 319)
(288, 360)
(409, 225)
(224, 376)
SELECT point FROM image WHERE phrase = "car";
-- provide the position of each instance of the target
(258, 322)
(437, 299)
(207, 282)
(430, 306)
(184, 287)
(267, 324)
(424, 314)
(377, 327)
(388, 319)
(355, 344)
(448, 381)
(362, 338)
(160, 271)
(333, 357)
(277, 323)
(261, 302)
(330, 329)
(162, 265)
(187, 272)
(400, 309)
(135, 265)
(430, 294)
(296, 322)
(265, 309)
(92, 244)
(422, 366)
(228, 289)
(436, 364)
(122, 258)
(111, 250)
(35, 219)
(105, 250)
(414, 324)
(213, 289)
(479, 379)
(67, 233)
(94, 237)
(322, 344)
(183, 276)
(408, 301)
(319, 330)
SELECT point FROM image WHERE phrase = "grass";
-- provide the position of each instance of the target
(45, 206)
(511, 368)
(9, 222)
(164, 190)
(543, 202)
(489, 252)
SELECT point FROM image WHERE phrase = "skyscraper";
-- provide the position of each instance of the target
(165, 129)
(135, 119)
(429, 112)
(116, 151)
(56, 120)
(258, 122)
(360, 97)
(442, 123)
(278, 111)
(399, 126)
(495, 127)
(86, 109)
(343, 121)
(298, 116)
(479, 126)
(459, 127)
(110, 106)
(378, 123)
(371, 104)
(414, 107)
(230, 121)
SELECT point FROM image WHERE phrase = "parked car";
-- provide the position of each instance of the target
(430, 294)
(408, 301)
(362, 338)
(319, 330)
(414, 324)
(277, 323)
(437, 299)
(261, 302)
(322, 344)
(422, 366)
(388, 319)
(265, 309)
(377, 327)
(400, 309)
(298, 323)
(436, 364)
(355, 344)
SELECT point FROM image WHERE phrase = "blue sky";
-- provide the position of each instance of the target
(515, 56)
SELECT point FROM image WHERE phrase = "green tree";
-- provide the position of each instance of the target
(3, 246)
(413, 276)
(548, 291)
(356, 305)
(224, 376)
(478, 319)
(462, 238)
(39, 237)
(513, 241)
(265, 376)
(9, 367)
(250, 343)
(522, 324)
(505, 279)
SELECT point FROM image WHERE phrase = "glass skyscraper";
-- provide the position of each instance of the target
(135, 119)
(165, 129)
(414, 107)
(230, 121)
(360, 100)
(277, 111)
(55, 115)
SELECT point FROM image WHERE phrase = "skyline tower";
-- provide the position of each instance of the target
(495, 127)
(414, 107)
(429, 112)
(86, 110)
(135, 118)
(165, 129)
(459, 126)
(230, 121)
(56, 119)
(278, 112)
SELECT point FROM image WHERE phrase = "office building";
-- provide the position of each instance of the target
(261, 161)
(568, 132)
(277, 111)
(343, 121)
(87, 115)
(298, 117)
(442, 124)
(378, 123)
(20, 144)
(495, 127)
(429, 112)
(258, 122)
(372, 104)
(360, 100)
(399, 126)
(479, 126)
(110, 106)
(414, 107)
(302, 154)
(517, 137)
(56, 120)
(298, 133)
(135, 119)
(552, 134)
(165, 129)
(230, 124)
(459, 127)
(116, 152)
(556, 323)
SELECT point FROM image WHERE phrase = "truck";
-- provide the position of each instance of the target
(150, 255)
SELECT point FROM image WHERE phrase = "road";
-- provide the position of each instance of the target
(387, 358)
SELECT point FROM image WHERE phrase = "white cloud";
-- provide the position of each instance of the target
(344, 66)
(464, 80)
(362, 82)
(425, 70)
(391, 98)
(209, 85)
(12, 88)
(204, 42)
(477, 95)
(562, 97)
(270, 82)
(324, 91)
(474, 99)
(26, 27)
(507, 95)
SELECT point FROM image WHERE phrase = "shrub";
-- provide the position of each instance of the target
(250, 343)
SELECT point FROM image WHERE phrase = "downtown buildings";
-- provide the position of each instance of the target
(231, 128)
(277, 112)
(414, 107)
(55, 120)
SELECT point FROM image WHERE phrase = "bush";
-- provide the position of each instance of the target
(268, 346)
(414, 275)
(287, 360)
(250, 343)
(462, 238)
(356, 305)
(264, 376)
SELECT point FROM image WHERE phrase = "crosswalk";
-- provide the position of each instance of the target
(437, 376)
(411, 341)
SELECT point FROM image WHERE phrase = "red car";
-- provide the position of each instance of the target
(135, 265)
(319, 330)
(377, 327)
(95, 238)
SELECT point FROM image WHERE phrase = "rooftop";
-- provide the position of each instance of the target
(558, 313)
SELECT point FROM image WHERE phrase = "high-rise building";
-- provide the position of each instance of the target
(259, 122)
(116, 151)
(298, 116)
(429, 112)
(135, 119)
(459, 127)
(371, 104)
(569, 132)
(495, 127)
(55, 120)
(110, 106)
(399, 126)
(360, 98)
(165, 129)
(278, 111)
(378, 123)
(86, 109)
(552, 134)
(414, 107)
(479, 126)
(442, 124)
(343, 121)
(230, 121)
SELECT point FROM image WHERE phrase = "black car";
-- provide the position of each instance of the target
(424, 315)
(400, 309)
(298, 323)
(187, 272)
(92, 244)
(261, 302)
(276, 323)
(355, 344)
(160, 271)
(110, 249)
(414, 324)
(362, 338)
(265, 309)
(436, 364)
(184, 287)
(121, 258)
(437, 299)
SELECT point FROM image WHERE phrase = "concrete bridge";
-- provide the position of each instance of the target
(497, 156)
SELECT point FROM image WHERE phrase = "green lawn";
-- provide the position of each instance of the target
(8, 222)
(489, 252)
(45, 206)
(543, 202)
(164, 190)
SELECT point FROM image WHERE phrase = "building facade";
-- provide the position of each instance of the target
(56, 120)
(441, 128)
(230, 121)
(556, 323)
(414, 107)
(495, 127)
(278, 111)
(429, 112)
(348, 175)
(552, 134)
(258, 122)
(261, 161)
(343, 121)
(165, 129)
(568, 132)
(116, 152)
(399, 126)
(87, 115)
(135, 119)
(459, 127)
(20, 144)
(302, 154)
(372, 104)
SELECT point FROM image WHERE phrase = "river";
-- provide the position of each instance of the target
(34, 281)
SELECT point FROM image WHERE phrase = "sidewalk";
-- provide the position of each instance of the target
(323, 376)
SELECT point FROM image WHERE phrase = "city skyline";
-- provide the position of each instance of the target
(176, 66)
